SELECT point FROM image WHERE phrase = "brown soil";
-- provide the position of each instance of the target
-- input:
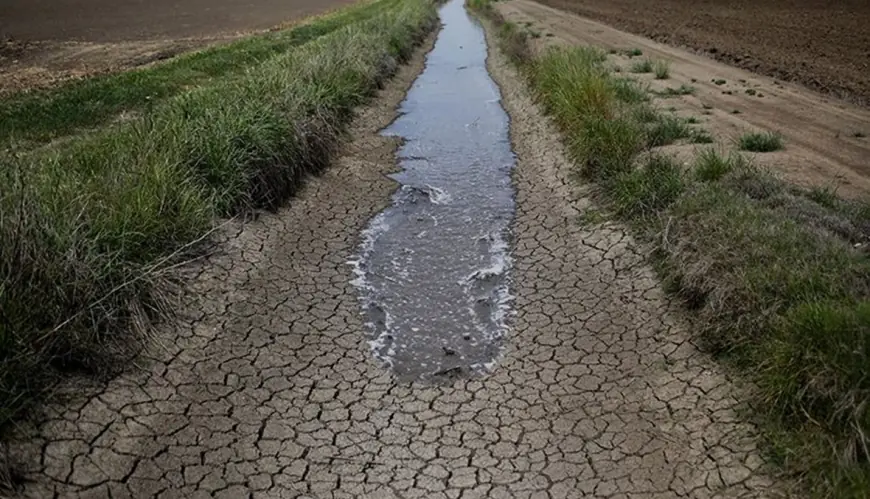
(820, 43)
(826, 141)
(43, 42)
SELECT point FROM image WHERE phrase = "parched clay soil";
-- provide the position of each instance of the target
(826, 140)
(43, 42)
(267, 387)
(820, 43)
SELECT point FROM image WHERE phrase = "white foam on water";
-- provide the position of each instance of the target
(378, 344)
(499, 266)
(377, 226)
(438, 195)
(501, 254)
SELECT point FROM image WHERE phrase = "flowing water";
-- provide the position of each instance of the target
(433, 267)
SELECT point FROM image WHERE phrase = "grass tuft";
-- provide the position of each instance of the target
(701, 137)
(645, 114)
(513, 41)
(630, 91)
(825, 196)
(662, 70)
(644, 66)
(644, 192)
(667, 130)
(760, 142)
(711, 166)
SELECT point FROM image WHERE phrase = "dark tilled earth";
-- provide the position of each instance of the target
(824, 44)
(123, 20)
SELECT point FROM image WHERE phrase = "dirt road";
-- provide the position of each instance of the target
(268, 388)
(819, 43)
(826, 140)
(43, 42)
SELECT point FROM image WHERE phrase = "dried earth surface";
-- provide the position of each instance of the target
(826, 140)
(43, 42)
(819, 43)
(267, 386)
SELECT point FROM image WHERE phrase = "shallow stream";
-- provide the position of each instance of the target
(433, 269)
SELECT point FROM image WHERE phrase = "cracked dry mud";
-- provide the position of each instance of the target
(266, 387)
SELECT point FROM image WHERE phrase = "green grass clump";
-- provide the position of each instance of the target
(662, 70)
(89, 228)
(701, 137)
(645, 114)
(644, 66)
(32, 118)
(630, 91)
(760, 142)
(825, 196)
(635, 52)
(711, 166)
(644, 192)
(667, 130)
(513, 41)
(578, 91)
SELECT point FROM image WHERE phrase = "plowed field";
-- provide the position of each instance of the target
(819, 43)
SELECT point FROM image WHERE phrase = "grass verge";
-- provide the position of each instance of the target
(31, 118)
(777, 277)
(91, 229)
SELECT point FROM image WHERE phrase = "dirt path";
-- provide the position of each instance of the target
(820, 133)
(267, 386)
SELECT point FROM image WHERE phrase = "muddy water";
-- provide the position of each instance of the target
(433, 267)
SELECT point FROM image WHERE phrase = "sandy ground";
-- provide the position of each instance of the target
(821, 146)
(823, 44)
(267, 388)
(43, 42)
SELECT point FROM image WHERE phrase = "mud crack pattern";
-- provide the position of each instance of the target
(267, 389)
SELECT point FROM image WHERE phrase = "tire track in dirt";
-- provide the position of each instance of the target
(266, 387)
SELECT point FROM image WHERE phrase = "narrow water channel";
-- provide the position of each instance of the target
(433, 268)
